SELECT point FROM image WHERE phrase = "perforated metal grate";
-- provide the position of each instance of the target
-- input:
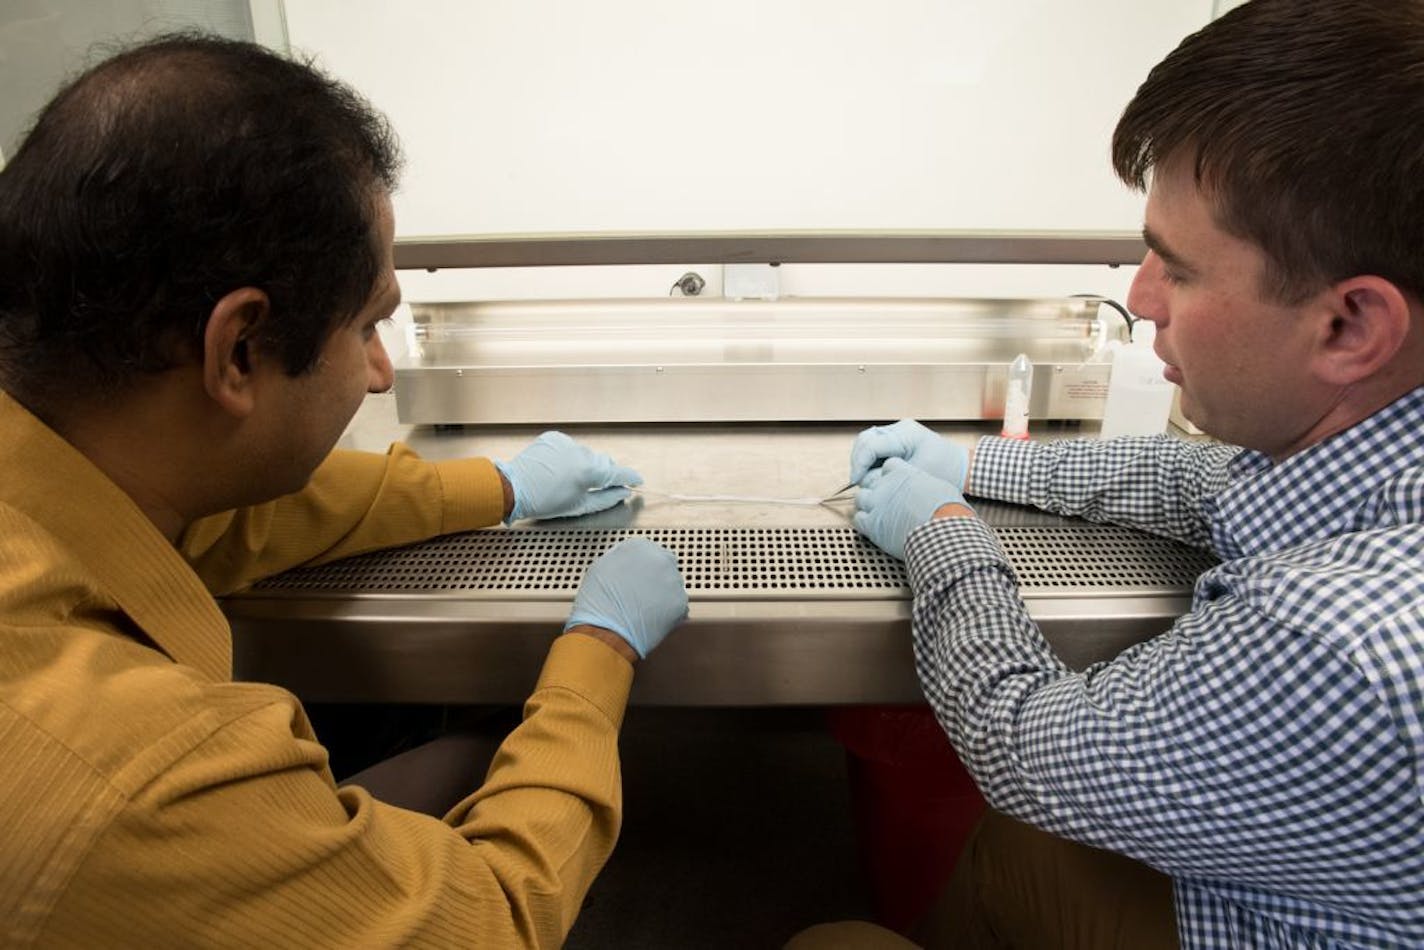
(742, 563)
(1098, 557)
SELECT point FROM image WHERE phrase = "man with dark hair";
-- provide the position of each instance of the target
(1254, 776)
(195, 250)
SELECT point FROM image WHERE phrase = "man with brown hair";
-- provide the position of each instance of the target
(195, 251)
(1255, 775)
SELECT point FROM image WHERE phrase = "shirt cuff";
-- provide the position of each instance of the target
(952, 547)
(1003, 469)
(473, 495)
(591, 669)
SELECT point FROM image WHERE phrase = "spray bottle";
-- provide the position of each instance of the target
(1016, 398)
(1139, 396)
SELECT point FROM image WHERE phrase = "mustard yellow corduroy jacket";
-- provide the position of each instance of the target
(147, 800)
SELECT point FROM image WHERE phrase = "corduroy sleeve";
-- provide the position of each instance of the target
(355, 502)
(241, 840)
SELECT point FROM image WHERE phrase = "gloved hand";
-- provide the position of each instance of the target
(635, 590)
(897, 498)
(556, 477)
(911, 441)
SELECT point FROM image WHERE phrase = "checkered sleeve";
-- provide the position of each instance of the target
(1154, 483)
(1210, 752)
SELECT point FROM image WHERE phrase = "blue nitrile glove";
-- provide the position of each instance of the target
(635, 590)
(897, 498)
(556, 477)
(911, 441)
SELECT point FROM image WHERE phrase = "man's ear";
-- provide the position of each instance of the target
(229, 348)
(1368, 322)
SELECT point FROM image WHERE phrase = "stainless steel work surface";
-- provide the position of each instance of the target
(788, 604)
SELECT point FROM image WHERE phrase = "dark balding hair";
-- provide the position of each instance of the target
(166, 177)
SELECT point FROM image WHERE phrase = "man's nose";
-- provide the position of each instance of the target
(1144, 297)
(380, 374)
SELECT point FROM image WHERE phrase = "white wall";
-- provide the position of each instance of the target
(668, 115)
(648, 115)
(44, 42)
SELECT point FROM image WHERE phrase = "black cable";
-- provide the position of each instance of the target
(1127, 317)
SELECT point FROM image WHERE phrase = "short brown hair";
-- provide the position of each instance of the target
(1304, 123)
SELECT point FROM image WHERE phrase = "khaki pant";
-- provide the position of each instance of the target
(1016, 886)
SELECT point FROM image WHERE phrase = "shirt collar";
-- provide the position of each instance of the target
(1324, 491)
(57, 487)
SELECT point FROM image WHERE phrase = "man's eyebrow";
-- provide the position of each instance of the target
(1156, 245)
(391, 298)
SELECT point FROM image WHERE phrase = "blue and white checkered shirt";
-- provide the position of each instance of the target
(1267, 751)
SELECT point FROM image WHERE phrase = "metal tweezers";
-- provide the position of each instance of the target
(844, 492)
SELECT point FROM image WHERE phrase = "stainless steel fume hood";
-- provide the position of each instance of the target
(801, 359)
(788, 604)
(793, 359)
